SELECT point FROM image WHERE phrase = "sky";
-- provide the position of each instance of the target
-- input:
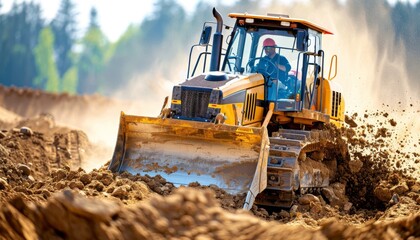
(115, 18)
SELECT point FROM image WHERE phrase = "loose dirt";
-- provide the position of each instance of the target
(46, 194)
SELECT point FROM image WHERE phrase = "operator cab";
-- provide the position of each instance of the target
(296, 40)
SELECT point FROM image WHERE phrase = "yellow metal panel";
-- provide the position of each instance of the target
(326, 98)
(230, 114)
(327, 103)
(242, 83)
(282, 19)
(338, 124)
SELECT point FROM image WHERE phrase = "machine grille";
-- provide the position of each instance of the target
(194, 103)
(336, 102)
(250, 106)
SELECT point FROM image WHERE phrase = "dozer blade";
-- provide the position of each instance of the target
(231, 157)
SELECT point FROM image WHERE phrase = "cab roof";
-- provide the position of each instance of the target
(279, 18)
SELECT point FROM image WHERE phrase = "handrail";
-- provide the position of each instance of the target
(332, 60)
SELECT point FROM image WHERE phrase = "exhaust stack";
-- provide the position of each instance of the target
(216, 51)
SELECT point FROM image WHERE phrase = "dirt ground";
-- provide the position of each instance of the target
(47, 193)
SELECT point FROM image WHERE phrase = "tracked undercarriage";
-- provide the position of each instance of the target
(299, 162)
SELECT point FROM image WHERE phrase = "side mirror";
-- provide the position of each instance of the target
(205, 36)
(302, 41)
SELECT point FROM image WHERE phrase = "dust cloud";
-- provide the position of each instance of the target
(371, 68)
(150, 88)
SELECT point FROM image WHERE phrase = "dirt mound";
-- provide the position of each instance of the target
(54, 147)
(95, 115)
(187, 213)
(64, 107)
(35, 165)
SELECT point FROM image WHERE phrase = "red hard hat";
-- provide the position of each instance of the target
(269, 42)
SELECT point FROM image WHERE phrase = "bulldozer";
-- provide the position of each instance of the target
(240, 121)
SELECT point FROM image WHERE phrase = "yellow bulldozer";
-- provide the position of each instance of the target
(250, 116)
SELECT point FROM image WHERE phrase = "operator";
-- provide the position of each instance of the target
(282, 64)
(277, 67)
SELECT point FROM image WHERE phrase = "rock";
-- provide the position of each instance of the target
(330, 195)
(106, 179)
(76, 184)
(308, 198)
(86, 207)
(315, 207)
(339, 191)
(350, 121)
(284, 214)
(72, 175)
(3, 184)
(347, 206)
(120, 192)
(2, 134)
(415, 188)
(12, 144)
(22, 227)
(60, 185)
(60, 174)
(31, 178)
(25, 169)
(3, 151)
(382, 193)
(98, 186)
(355, 165)
(394, 199)
(400, 188)
(86, 178)
(26, 131)
(54, 214)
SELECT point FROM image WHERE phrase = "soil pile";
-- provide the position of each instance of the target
(188, 214)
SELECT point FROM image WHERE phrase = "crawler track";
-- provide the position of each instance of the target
(298, 163)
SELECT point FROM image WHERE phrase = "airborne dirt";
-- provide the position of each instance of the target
(45, 194)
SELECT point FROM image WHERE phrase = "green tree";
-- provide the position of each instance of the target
(47, 78)
(69, 82)
(19, 30)
(93, 57)
(157, 41)
(64, 28)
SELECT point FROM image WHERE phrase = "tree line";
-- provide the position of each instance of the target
(48, 55)
(41, 55)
